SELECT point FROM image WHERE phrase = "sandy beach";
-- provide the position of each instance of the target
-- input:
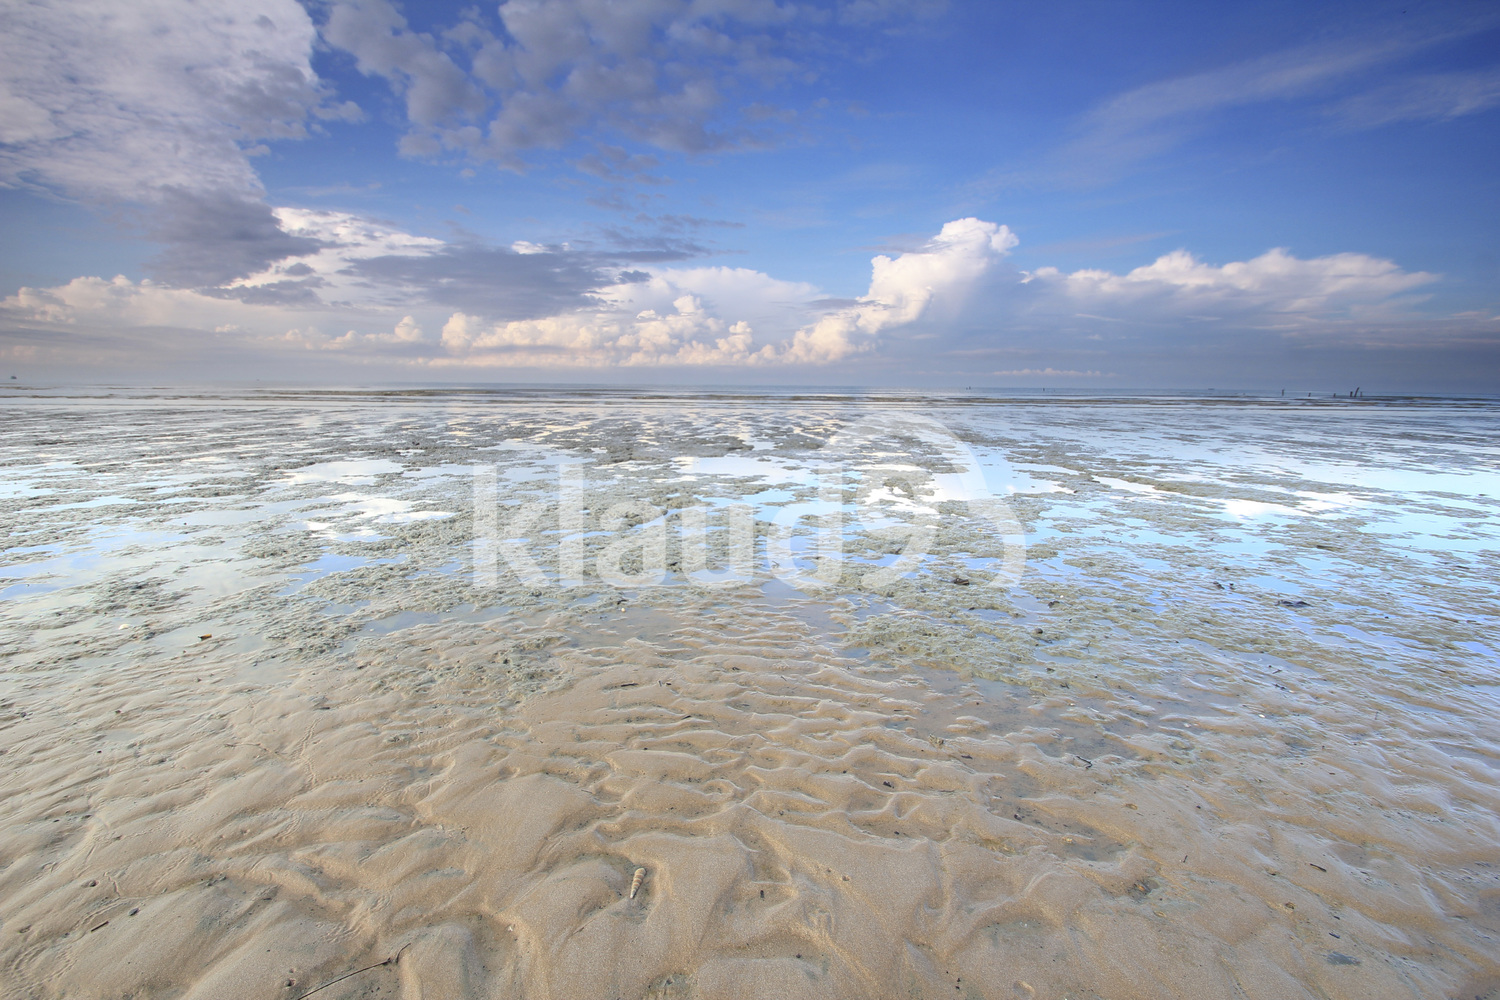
(1103, 698)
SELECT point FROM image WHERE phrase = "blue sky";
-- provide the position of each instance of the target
(715, 191)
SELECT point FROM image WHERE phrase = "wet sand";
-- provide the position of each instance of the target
(1232, 734)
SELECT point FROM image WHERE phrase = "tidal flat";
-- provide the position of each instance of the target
(395, 693)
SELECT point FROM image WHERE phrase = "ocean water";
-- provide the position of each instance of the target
(889, 695)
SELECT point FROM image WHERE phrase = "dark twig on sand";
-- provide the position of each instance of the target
(334, 982)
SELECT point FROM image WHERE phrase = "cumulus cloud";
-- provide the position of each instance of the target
(119, 306)
(370, 292)
(1181, 314)
(704, 316)
(1275, 284)
(147, 326)
(685, 335)
(902, 288)
(406, 338)
(532, 305)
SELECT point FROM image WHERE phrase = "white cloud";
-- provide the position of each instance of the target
(902, 288)
(341, 239)
(352, 235)
(1273, 283)
(116, 100)
(693, 316)
(918, 304)
(127, 303)
(769, 304)
(406, 334)
(123, 310)
(702, 315)
(685, 335)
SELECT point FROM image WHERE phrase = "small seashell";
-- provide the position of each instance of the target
(635, 883)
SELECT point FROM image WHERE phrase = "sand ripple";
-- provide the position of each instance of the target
(810, 825)
(1232, 737)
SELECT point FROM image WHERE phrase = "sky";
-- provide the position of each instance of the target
(1104, 194)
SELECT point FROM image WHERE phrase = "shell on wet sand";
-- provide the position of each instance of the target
(635, 883)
